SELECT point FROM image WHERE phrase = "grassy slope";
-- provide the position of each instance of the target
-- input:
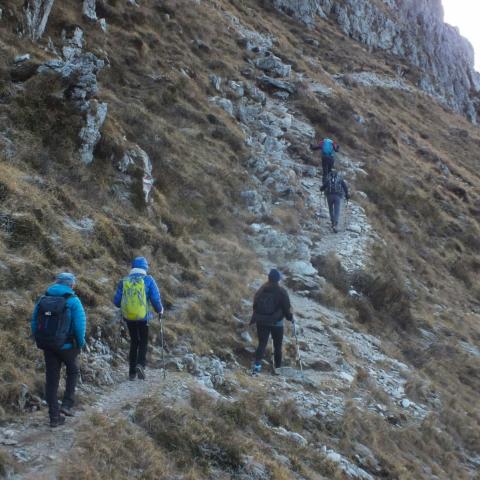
(429, 222)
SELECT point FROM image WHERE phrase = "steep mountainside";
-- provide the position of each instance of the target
(437, 59)
(180, 130)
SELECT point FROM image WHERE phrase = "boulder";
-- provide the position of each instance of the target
(273, 65)
(275, 84)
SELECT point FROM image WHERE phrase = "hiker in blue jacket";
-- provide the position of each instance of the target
(138, 329)
(66, 353)
(328, 147)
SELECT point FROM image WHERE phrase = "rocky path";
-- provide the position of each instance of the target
(341, 363)
(39, 450)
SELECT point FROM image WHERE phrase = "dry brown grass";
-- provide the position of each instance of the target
(108, 448)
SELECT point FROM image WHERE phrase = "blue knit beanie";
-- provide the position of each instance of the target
(274, 275)
(66, 278)
(140, 262)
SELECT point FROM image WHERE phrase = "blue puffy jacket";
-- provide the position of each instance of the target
(75, 312)
(151, 290)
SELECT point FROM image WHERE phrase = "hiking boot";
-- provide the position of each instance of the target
(67, 411)
(257, 368)
(141, 372)
(132, 376)
(57, 421)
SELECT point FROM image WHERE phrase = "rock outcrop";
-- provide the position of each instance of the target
(36, 17)
(79, 69)
(413, 30)
(89, 10)
(139, 160)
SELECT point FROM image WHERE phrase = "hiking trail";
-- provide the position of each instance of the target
(40, 450)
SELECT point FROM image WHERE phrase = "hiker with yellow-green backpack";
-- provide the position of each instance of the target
(138, 295)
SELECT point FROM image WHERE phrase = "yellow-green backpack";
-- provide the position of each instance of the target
(134, 298)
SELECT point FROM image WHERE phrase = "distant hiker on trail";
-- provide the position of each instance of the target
(328, 148)
(271, 305)
(136, 294)
(58, 326)
(335, 190)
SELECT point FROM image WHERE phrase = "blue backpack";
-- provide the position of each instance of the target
(54, 327)
(327, 147)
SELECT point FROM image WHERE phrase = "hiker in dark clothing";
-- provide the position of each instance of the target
(60, 306)
(271, 305)
(336, 190)
(328, 148)
(138, 296)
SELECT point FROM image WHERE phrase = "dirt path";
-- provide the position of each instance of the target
(39, 450)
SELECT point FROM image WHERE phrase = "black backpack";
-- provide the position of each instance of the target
(266, 303)
(334, 183)
(54, 326)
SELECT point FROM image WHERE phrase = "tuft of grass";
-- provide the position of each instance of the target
(117, 449)
(191, 438)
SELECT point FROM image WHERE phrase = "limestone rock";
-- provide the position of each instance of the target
(79, 69)
(36, 17)
(275, 84)
(224, 104)
(90, 133)
(273, 65)
(246, 337)
(293, 436)
(236, 88)
(137, 157)
(303, 10)
(216, 82)
(252, 39)
(89, 10)
(103, 25)
(22, 58)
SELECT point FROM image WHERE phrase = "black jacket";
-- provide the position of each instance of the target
(281, 305)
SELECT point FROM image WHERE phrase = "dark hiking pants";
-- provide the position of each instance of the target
(138, 331)
(53, 366)
(334, 201)
(327, 165)
(264, 332)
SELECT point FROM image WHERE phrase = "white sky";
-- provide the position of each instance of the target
(465, 14)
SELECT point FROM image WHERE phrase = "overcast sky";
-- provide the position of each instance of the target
(465, 14)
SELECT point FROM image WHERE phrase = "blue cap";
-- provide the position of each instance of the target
(274, 275)
(66, 278)
(140, 262)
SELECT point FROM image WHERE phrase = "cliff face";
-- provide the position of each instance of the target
(413, 30)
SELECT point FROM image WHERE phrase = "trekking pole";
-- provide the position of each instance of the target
(297, 348)
(160, 316)
(346, 215)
